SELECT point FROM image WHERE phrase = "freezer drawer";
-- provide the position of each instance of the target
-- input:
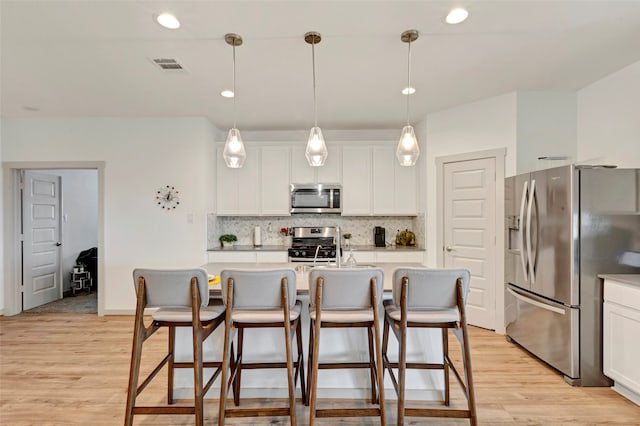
(547, 329)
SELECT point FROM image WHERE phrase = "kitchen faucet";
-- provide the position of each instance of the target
(318, 247)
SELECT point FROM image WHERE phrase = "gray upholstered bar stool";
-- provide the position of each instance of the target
(260, 299)
(182, 297)
(346, 298)
(430, 298)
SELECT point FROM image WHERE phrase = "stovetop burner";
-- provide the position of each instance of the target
(311, 243)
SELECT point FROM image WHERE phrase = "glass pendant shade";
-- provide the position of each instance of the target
(234, 153)
(408, 150)
(316, 151)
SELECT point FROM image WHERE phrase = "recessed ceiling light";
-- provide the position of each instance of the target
(169, 21)
(408, 91)
(227, 93)
(457, 15)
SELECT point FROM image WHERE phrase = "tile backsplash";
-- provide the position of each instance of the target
(361, 228)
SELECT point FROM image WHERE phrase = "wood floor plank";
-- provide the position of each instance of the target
(72, 369)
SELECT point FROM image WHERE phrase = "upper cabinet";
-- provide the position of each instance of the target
(302, 172)
(237, 189)
(394, 186)
(259, 188)
(274, 181)
(356, 181)
(374, 184)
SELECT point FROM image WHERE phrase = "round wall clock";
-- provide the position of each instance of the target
(168, 197)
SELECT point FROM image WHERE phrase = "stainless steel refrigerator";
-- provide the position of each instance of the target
(563, 227)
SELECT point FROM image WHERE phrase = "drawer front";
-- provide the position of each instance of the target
(621, 293)
(400, 257)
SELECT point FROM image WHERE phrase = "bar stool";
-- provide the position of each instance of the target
(260, 299)
(346, 298)
(430, 298)
(182, 297)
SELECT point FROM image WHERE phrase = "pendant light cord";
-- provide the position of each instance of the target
(315, 103)
(408, 80)
(234, 84)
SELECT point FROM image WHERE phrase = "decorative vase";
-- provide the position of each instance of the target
(227, 244)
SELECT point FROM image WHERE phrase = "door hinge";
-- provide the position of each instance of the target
(21, 237)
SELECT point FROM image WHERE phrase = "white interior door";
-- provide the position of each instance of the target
(469, 232)
(41, 275)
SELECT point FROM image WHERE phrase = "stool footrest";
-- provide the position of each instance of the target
(418, 366)
(328, 365)
(164, 410)
(257, 412)
(348, 412)
(437, 412)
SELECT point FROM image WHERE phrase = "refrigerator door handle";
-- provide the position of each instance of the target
(522, 229)
(536, 303)
(529, 236)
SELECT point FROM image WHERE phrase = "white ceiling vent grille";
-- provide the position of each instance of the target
(168, 64)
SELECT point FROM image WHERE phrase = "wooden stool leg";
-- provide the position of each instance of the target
(300, 363)
(136, 354)
(238, 367)
(380, 368)
(374, 398)
(309, 362)
(471, 397)
(445, 367)
(286, 324)
(402, 370)
(170, 371)
(222, 403)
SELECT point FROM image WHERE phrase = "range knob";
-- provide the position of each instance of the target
(303, 253)
(333, 253)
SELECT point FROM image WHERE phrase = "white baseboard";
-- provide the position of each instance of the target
(119, 312)
(627, 393)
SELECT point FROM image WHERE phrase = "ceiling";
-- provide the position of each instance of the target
(92, 58)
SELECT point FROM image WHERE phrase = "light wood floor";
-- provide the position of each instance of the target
(72, 369)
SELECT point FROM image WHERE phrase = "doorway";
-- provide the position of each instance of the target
(80, 216)
(470, 229)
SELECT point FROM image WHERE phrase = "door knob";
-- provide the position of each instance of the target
(449, 248)
(58, 244)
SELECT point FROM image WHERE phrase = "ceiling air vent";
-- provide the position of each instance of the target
(168, 64)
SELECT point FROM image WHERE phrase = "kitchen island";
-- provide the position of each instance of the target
(338, 345)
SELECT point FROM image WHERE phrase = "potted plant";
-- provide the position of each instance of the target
(227, 240)
(347, 239)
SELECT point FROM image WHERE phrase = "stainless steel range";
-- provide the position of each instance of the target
(313, 243)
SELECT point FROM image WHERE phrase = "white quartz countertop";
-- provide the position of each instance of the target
(302, 282)
(355, 248)
(633, 279)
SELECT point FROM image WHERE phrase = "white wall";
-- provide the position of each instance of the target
(140, 155)
(609, 119)
(487, 124)
(79, 216)
(546, 126)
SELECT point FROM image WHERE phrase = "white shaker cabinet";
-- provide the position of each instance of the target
(621, 333)
(259, 188)
(394, 186)
(302, 172)
(274, 181)
(356, 181)
(238, 189)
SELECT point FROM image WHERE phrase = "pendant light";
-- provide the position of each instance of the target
(408, 149)
(234, 153)
(316, 151)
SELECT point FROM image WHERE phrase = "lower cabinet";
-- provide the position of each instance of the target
(247, 257)
(621, 337)
(386, 256)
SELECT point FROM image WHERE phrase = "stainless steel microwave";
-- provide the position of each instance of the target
(316, 198)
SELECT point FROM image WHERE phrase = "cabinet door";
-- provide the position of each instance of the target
(394, 186)
(330, 172)
(237, 189)
(356, 181)
(301, 171)
(274, 181)
(247, 188)
(383, 181)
